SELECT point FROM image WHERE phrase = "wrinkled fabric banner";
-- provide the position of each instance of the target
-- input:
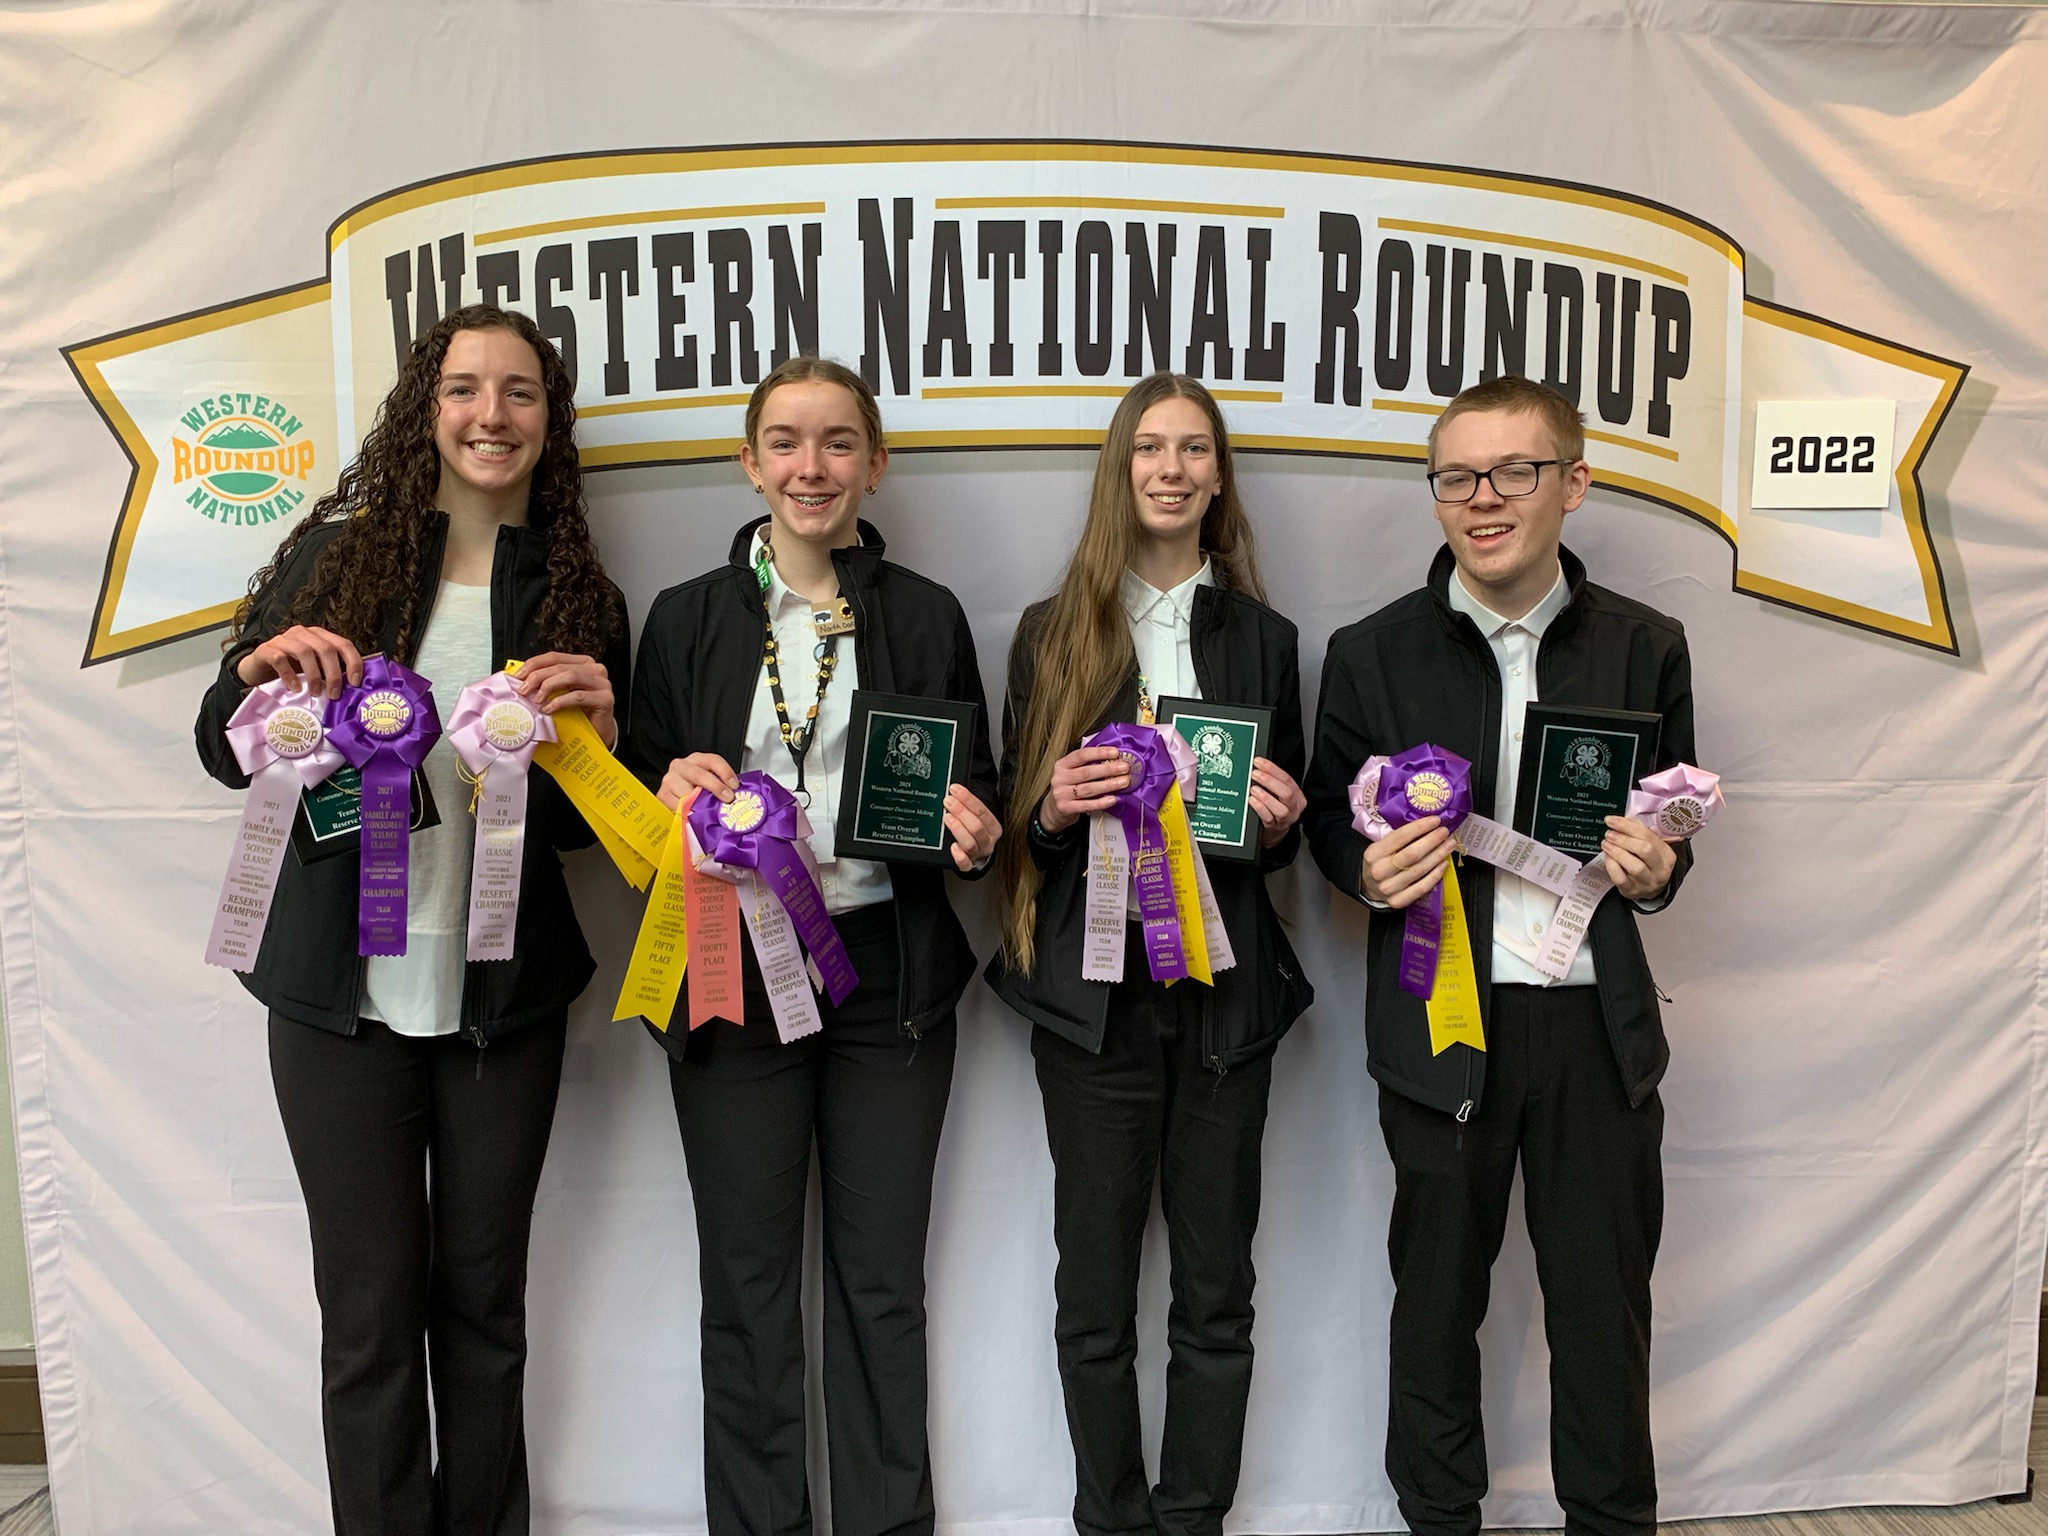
(222, 222)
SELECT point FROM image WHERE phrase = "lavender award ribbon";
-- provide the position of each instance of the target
(279, 736)
(1154, 776)
(1677, 802)
(1673, 804)
(386, 725)
(761, 835)
(1424, 781)
(494, 731)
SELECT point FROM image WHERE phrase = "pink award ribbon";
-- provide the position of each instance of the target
(1424, 781)
(1677, 802)
(494, 731)
(759, 840)
(385, 725)
(1673, 804)
(279, 736)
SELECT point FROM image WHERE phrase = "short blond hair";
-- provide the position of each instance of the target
(1511, 394)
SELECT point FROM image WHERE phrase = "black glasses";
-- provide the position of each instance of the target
(1518, 477)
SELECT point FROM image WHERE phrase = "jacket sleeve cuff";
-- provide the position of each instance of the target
(1049, 850)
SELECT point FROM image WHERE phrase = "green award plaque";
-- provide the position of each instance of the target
(1224, 738)
(1578, 766)
(902, 754)
(330, 819)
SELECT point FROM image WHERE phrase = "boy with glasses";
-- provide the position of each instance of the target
(1567, 1082)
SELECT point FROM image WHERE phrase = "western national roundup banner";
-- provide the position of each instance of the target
(996, 295)
(1785, 256)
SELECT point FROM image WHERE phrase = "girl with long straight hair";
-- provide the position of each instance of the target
(418, 1090)
(1162, 596)
(752, 666)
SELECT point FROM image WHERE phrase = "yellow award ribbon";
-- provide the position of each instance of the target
(662, 951)
(1454, 1001)
(630, 823)
(1187, 900)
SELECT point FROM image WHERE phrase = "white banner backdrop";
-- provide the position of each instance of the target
(1847, 199)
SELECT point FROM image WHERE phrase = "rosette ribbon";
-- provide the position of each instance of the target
(385, 725)
(1143, 844)
(279, 736)
(629, 820)
(1436, 949)
(1677, 802)
(759, 840)
(495, 731)
(1674, 804)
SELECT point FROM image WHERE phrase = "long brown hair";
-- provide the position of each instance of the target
(383, 497)
(1082, 642)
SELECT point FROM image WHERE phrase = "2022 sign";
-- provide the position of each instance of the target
(1823, 456)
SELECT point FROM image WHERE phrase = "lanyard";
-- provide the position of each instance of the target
(798, 743)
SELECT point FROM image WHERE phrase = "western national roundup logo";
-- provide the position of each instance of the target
(1005, 295)
(244, 452)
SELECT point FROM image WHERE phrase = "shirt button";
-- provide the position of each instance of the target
(1536, 928)
(1518, 735)
(1514, 671)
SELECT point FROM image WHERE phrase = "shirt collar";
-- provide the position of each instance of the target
(1140, 597)
(779, 592)
(1535, 621)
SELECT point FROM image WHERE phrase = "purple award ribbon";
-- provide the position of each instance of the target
(279, 736)
(762, 829)
(1423, 781)
(1154, 776)
(494, 731)
(385, 725)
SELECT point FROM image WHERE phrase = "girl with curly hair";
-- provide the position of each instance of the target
(1161, 596)
(418, 1090)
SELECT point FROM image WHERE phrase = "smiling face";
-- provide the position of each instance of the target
(1506, 546)
(812, 458)
(1175, 472)
(490, 416)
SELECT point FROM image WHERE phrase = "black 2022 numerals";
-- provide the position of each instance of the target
(1819, 456)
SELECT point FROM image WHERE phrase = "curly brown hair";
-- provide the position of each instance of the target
(382, 496)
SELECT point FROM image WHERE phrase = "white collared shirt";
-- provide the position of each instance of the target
(1161, 623)
(1521, 911)
(844, 883)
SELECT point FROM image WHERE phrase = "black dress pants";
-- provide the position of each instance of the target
(1594, 1199)
(872, 1100)
(1149, 1105)
(419, 1159)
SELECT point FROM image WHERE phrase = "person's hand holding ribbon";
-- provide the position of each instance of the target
(562, 680)
(1087, 780)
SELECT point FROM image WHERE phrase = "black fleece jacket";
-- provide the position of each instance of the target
(1419, 671)
(1244, 653)
(307, 968)
(700, 664)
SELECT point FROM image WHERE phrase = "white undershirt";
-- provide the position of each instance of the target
(1521, 911)
(1160, 626)
(420, 991)
(844, 883)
